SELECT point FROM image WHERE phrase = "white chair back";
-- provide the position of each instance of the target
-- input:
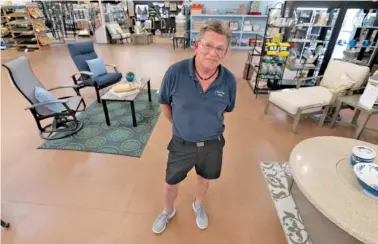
(336, 68)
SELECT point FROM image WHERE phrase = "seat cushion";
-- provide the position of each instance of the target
(97, 66)
(42, 95)
(291, 100)
(108, 79)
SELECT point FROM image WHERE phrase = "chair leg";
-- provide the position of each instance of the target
(324, 116)
(266, 107)
(5, 224)
(98, 94)
(296, 121)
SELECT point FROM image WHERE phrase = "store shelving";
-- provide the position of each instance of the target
(26, 26)
(240, 37)
(229, 15)
(270, 70)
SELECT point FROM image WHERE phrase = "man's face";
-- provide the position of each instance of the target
(211, 49)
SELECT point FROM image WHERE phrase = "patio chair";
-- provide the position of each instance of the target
(44, 105)
(80, 53)
(340, 78)
(116, 33)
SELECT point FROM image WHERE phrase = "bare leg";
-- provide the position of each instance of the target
(170, 194)
(202, 186)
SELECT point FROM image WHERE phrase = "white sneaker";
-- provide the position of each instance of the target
(162, 221)
(201, 219)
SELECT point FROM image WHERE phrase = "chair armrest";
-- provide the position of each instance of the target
(83, 73)
(300, 81)
(357, 88)
(112, 65)
(65, 86)
(36, 105)
(353, 89)
(76, 81)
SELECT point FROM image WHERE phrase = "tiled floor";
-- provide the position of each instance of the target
(75, 197)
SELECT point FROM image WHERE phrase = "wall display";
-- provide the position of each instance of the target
(130, 8)
(245, 27)
(141, 11)
(358, 39)
(163, 16)
(172, 7)
(115, 13)
(311, 35)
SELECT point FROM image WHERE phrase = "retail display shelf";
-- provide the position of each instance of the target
(229, 15)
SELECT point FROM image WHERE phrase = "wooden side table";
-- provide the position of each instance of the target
(353, 101)
(143, 38)
(177, 38)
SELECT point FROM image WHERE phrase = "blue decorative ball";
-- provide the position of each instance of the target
(352, 43)
(366, 43)
(130, 76)
(341, 42)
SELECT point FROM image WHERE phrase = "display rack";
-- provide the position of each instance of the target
(310, 37)
(6, 39)
(60, 16)
(26, 26)
(86, 16)
(363, 46)
(272, 55)
(115, 13)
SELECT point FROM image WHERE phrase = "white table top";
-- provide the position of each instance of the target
(126, 96)
(320, 169)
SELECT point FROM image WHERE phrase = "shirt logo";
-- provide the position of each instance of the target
(219, 93)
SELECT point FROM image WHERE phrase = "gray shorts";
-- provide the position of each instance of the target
(206, 157)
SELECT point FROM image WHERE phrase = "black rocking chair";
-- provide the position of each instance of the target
(63, 123)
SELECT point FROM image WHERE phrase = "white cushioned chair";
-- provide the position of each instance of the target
(116, 32)
(340, 78)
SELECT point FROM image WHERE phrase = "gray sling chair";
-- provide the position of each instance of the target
(64, 123)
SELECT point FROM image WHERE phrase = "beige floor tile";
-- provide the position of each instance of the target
(53, 196)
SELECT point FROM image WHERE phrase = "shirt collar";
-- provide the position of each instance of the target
(191, 68)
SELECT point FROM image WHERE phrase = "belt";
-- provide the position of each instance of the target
(198, 143)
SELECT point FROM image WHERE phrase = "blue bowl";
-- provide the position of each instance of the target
(355, 160)
(362, 154)
(367, 188)
(367, 177)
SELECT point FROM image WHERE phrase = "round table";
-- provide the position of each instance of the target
(321, 169)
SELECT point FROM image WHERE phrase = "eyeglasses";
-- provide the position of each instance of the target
(209, 47)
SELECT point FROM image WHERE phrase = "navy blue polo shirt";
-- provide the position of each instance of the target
(197, 115)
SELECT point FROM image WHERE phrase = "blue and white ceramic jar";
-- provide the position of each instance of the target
(362, 154)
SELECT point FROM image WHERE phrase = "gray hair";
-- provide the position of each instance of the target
(216, 26)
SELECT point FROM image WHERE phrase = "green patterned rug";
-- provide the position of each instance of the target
(118, 138)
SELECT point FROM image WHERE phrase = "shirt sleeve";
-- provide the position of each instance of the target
(232, 90)
(165, 91)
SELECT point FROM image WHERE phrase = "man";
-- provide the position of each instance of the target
(194, 95)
